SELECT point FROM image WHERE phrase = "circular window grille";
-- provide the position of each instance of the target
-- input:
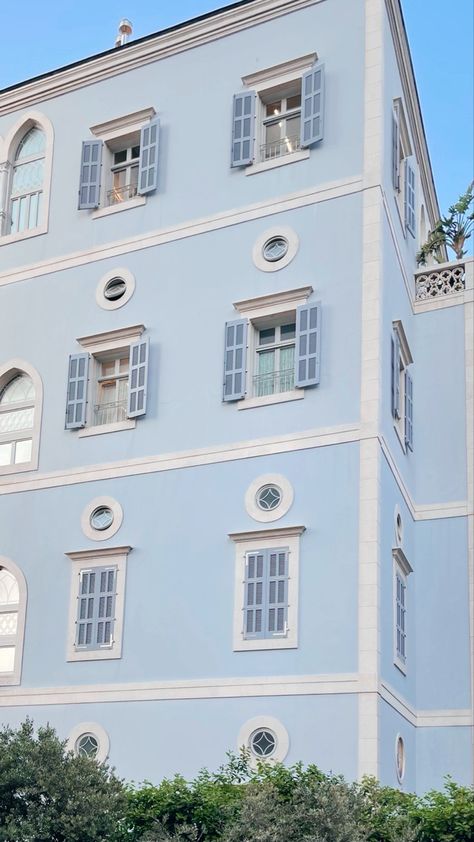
(115, 289)
(400, 758)
(263, 743)
(275, 249)
(87, 746)
(268, 498)
(101, 518)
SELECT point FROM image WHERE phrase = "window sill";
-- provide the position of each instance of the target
(401, 438)
(7, 470)
(23, 235)
(301, 155)
(122, 206)
(266, 643)
(266, 400)
(400, 666)
(95, 654)
(116, 427)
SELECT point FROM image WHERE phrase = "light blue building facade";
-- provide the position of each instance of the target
(236, 422)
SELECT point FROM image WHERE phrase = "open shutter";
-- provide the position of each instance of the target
(105, 603)
(395, 152)
(254, 609)
(410, 195)
(76, 401)
(243, 129)
(312, 117)
(89, 182)
(308, 345)
(408, 410)
(277, 605)
(149, 146)
(137, 384)
(395, 375)
(235, 359)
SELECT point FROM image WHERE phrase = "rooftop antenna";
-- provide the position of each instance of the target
(124, 32)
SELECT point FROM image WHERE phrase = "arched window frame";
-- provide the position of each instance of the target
(8, 372)
(8, 152)
(15, 676)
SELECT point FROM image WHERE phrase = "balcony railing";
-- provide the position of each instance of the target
(121, 194)
(277, 148)
(109, 413)
(439, 281)
(273, 383)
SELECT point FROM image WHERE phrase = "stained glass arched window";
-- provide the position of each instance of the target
(26, 191)
(17, 409)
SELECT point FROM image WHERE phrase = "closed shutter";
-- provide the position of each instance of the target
(138, 378)
(308, 345)
(254, 608)
(105, 607)
(395, 375)
(395, 152)
(89, 181)
(410, 195)
(96, 608)
(235, 358)
(266, 594)
(401, 617)
(85, 609)
(312, 117)
(277, 606)
(76, 401)
(408, 410)
(243, 129)
(149, 148)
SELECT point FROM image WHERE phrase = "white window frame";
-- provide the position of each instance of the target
(111, 132)
(14, 677)
(406, 360)
(8, 371)
(287, 495)
(90, 560)
(97, 731)
(274, 77)
(247, 542)
(401, 568)
(101, 534)
(274, 306)
(405, 151)
(116, 342)
(268, 723)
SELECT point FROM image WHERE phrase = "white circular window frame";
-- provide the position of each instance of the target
(275, 265)
(101, 534)
(400, 773)
(398, 529)
(269, 723)
(126, 276)
(262, 515)
(95, 730)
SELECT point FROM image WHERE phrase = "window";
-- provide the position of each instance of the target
(17, 408)
(96, 606)
(403, 169)
(121, 164)
(12, 621)
(26, 193)
(275, 249)
(115, 289)
(401, 571)
(266, 589)
(263, 743)
(269, 497)
(107, 388)
(400, 758)
(87, 746)
(272, 354)
(265, 738)
(402, 386)
(101, 518)
(89, 739)
(281, 115)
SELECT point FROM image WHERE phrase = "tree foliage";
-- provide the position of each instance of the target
(452, 230)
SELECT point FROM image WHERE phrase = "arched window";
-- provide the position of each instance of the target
(26, 191)
(12, 621)
(17, 415)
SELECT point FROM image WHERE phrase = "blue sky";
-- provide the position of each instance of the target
(57, 32)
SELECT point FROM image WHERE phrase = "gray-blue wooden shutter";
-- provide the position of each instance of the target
(395, 152)
(138, 378)
(410, 195)
(254, 608)
(308, 345)
(96, 608)
(408, 410)
(76, 401)
(277, 602)
(149, 148)
(89, 182)
(235, 357)
(312, 116)
(395, 375)
(401, 617)
(85, 609)
(105, 602)
(243, 129)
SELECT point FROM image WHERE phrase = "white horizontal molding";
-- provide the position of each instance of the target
(124, 123)
(274, 302)
(190, 228)
(293, 67)
(112, 338)
(152, 49)
(267, 533)
(110, 553)
(424, 718)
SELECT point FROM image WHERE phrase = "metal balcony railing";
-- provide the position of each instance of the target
(278, 148)
(109, 413)
(439, 281)
(121, 194)
(273, 383)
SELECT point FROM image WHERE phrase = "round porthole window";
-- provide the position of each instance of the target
(101, 518)
(87, 746)
(115, 289)
(400, 757)
(263, 743)
(275, 249)
(398, 523)
(268, 498)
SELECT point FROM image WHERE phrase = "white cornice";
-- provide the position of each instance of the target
(101, 552)
(123, 123)
(407, 355)
(122, 60)
(297, 65)
(401, 559)
(112, 337)
(290, 297)
(265, 534)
